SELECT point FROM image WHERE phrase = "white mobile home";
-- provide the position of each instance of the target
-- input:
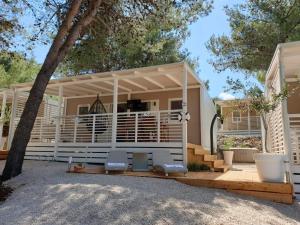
(284, 121)
(142, 110)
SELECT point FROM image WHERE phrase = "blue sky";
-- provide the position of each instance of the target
(215, 23)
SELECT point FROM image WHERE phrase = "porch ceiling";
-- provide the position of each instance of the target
(145, 79)
(290, 57)
(290, 60)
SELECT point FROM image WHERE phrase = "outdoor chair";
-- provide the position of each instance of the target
(116, 161)
(163, 161)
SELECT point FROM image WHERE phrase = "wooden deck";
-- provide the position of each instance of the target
(242, 179)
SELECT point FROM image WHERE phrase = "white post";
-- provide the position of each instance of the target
(136, 128)
(2, 117)
(128, 98)
(12, 118)
(58, 121)
(184, 110)
(249, 122)
(115, 115)
(158, 126)
(93, 130)
(75, 129)
(286, 123)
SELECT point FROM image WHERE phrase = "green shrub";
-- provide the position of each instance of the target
(197, 167)
(228, 143)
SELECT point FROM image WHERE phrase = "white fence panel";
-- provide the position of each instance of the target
(295, 137)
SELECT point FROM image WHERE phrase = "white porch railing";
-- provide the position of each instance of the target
(246, 124)
(132, 127)
(94, 128)
(295, 137)
(43, 131)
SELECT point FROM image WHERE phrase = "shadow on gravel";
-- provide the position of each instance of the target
(46, 194)
(5, 191)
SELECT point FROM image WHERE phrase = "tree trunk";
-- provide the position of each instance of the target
(14, 162)
(67, 34)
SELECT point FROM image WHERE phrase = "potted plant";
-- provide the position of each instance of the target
(227, 151)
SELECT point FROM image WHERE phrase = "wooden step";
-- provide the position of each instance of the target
(198, 149)
(210, 158)
(218, 163)
(197, 154)
(224, 168)
(3, 154)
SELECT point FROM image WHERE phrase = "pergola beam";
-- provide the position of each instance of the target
(141, 92)
(135, 84)
(172, 78)
(154, 82)
(76, 88)
(99, 87)
(97, 78)
(120, 86)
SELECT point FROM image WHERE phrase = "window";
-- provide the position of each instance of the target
(83, 109)
(152, 105)
(175, 104)
(236, 116)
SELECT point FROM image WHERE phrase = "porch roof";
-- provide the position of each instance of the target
(231, 103)
(288, 55)
(138, 80)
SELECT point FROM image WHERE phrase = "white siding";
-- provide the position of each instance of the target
(207, 112)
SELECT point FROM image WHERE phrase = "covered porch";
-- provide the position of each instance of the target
(60, 131)
(284, 126)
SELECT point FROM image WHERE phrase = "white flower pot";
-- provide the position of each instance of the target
(270, 167)
(228, 156)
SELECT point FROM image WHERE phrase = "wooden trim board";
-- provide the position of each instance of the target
(277, 192)
(275, 197)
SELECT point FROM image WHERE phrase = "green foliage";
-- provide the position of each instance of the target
(14, 68)
(9, 23)
(7, 113)
(158, 39)
(196, 167)
(256, 29)
(228, 143)
(256, 97)
(206, 83)
(258, 101)
(263, 105)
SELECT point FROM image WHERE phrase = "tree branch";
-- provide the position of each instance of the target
(64, 29)
(77, 29)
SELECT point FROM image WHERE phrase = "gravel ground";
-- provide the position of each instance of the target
(45, 194)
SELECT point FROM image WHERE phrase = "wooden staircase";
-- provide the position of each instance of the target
(196, 154)
(3, 154)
